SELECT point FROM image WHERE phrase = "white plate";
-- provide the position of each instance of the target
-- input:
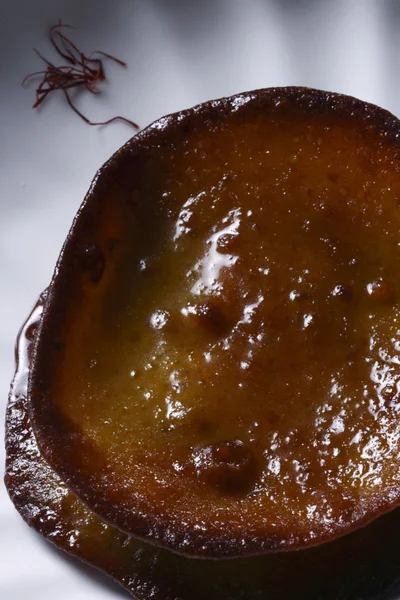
(180, 53)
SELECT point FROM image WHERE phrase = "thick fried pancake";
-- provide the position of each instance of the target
(364, 564)
(217, 368)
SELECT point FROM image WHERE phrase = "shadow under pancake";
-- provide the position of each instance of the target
(98, 578)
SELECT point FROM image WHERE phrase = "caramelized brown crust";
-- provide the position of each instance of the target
(361, 565)
(221, 456)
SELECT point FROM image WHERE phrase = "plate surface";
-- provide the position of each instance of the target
(178, 54)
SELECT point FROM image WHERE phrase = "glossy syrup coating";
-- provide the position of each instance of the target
(217, 368)
(363, 564)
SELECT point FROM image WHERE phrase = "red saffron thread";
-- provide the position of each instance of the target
(81, 71)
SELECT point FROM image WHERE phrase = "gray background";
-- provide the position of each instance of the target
(180, 53)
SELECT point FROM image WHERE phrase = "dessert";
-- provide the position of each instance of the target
(214, 369)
